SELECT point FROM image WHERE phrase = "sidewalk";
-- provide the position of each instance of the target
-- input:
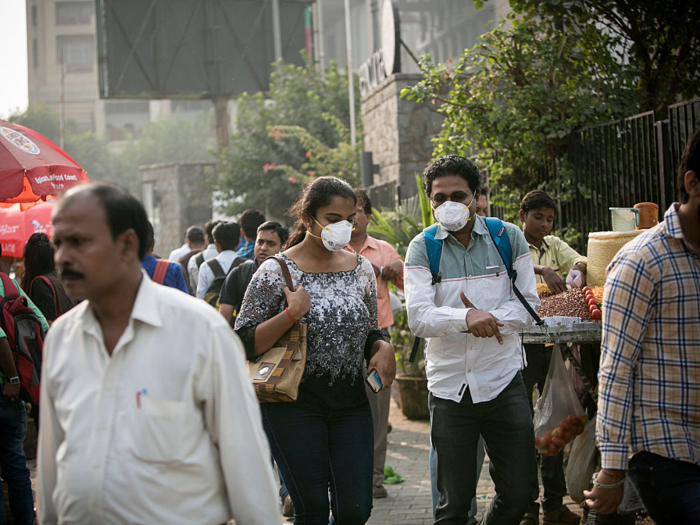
(409, 503)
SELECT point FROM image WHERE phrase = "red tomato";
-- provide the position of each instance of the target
(591, 301)
(596, 315)
(585, 289)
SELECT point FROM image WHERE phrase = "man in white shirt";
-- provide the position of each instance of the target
(471, 320)
(188, 246)
(208, 253)
(226, 235)
(147, 413)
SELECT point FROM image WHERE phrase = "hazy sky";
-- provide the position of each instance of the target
(13, 57)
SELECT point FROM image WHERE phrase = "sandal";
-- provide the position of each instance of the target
(530, 518)
(561, 516)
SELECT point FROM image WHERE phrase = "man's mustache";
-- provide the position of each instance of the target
(70, 274)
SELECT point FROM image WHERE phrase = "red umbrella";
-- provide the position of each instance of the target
(16, 226)
(32, 167)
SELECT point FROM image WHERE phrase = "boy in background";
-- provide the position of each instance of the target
(553, 259)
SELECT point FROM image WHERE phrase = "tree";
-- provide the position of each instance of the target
(515, 97)
(170, 140)
(659, 40)
(297, 132)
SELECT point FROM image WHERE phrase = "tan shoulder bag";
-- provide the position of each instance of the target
(276, 374)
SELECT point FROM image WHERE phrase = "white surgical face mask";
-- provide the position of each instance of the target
(335, 236)
(453, 216)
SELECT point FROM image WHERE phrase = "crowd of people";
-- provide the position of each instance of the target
(147, 413)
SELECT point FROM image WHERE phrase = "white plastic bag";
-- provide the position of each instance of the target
(559, 416)
(582, 462)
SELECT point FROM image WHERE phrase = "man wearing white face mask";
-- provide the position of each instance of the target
(471, 320)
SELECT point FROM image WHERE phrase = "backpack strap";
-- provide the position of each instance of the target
(160, 271)
(502, 242)
(499, 236)
(199, 258)
(10, 288)
(216, 268)
(434, 248)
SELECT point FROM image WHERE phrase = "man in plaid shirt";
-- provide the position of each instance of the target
(649, 408)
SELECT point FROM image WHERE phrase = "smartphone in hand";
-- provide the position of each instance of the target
(374, 381)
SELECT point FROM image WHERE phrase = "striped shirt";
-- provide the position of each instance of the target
(649, 391)
(455, 359)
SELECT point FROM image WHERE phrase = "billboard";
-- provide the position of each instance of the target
(193, 48)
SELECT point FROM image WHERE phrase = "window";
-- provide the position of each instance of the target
(78, 52)
(35, 53)
(35, 16)
(73, 13)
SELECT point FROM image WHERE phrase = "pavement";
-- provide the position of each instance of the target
(409, 503)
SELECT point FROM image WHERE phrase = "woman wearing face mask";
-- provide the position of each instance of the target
(325, 438)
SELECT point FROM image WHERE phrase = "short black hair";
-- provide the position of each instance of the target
(537, 199)
(250, 220)
(227, 234)
(451, 165)
(209, 229)
(195, 234)
(122, 210)
(150, 234)
(690, 161)
(280, 230)
(363, 200)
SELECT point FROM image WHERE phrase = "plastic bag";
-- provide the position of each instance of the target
(559, 416)
(582, 462)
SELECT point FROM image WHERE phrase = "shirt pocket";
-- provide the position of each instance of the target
(158, 429)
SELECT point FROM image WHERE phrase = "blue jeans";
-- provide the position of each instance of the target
(506, 427)
(669, 489)
(13, 463)
(315, 451)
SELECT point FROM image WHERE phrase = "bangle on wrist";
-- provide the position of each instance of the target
(609, 485)
(286, 310)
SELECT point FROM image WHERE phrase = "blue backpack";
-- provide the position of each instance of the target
(502, 242)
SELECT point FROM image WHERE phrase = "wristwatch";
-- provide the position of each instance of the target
(13, 380)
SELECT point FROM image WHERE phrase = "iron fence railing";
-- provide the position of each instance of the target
(618, 164)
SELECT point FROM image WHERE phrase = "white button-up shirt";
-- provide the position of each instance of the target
(456, 360)
(193, 270)
(206, 275)
(166, 430)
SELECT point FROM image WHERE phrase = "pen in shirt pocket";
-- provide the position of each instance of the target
(140, 393)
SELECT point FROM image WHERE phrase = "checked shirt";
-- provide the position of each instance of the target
(649, 392)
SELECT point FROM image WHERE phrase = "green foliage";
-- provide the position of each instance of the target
(41, 119)
(656, 40)
(297, 132)
(168, 141)
(399, 226)
(516, 96)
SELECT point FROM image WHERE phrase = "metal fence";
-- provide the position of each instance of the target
(619, 164)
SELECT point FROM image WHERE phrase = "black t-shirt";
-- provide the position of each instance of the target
(235, 285)
(42, 295)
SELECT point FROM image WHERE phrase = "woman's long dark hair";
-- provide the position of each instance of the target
(316, 194)
(38, 259)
